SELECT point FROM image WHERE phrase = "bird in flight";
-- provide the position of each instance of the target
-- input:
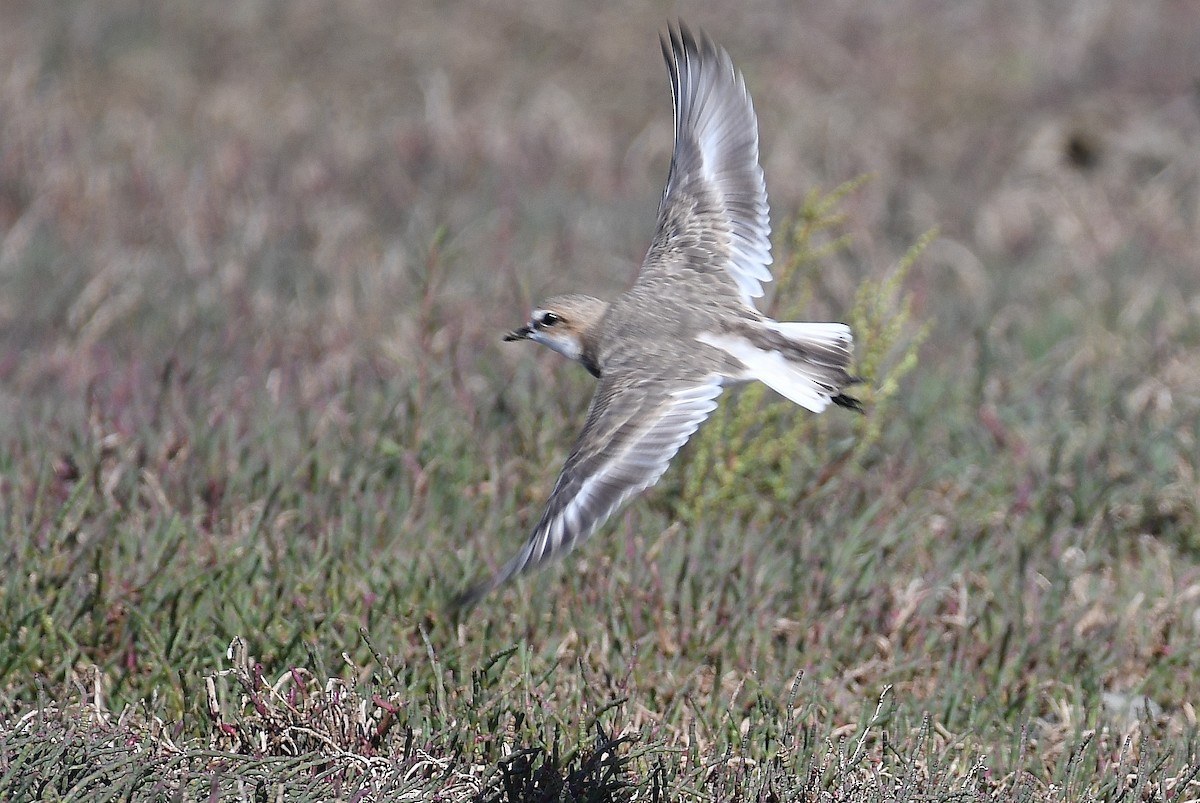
(664, 350)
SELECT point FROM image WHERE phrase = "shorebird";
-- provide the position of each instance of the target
(688, 326)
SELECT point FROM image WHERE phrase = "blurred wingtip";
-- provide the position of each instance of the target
(462, 604)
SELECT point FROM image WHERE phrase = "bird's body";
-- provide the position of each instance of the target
(664, 350)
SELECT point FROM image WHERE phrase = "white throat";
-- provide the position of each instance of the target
(564, 343)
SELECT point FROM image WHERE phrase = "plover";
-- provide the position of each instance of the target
(688, 326)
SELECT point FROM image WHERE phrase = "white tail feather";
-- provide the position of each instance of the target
(795, 381)
(823, 334)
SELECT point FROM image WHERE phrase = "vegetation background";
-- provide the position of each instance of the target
(257, 425)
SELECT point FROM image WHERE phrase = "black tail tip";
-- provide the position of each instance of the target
(849, 402)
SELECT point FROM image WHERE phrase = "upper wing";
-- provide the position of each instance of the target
(713, 222)
(633, 429)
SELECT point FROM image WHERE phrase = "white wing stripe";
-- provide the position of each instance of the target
(635, 466)
(716, 156)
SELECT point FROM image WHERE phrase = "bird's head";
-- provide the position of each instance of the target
(567, 324)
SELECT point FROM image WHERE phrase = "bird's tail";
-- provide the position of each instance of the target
(805, 362)
(815, 368)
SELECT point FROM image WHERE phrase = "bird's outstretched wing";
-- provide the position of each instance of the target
(714, 233)
(634, 427)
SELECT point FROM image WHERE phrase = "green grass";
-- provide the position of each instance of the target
(257, 427)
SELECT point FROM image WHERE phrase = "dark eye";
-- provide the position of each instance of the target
(549, 319)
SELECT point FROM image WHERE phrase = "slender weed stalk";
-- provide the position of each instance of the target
(760, 454)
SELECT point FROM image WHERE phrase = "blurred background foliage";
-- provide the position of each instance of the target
(255, 262)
